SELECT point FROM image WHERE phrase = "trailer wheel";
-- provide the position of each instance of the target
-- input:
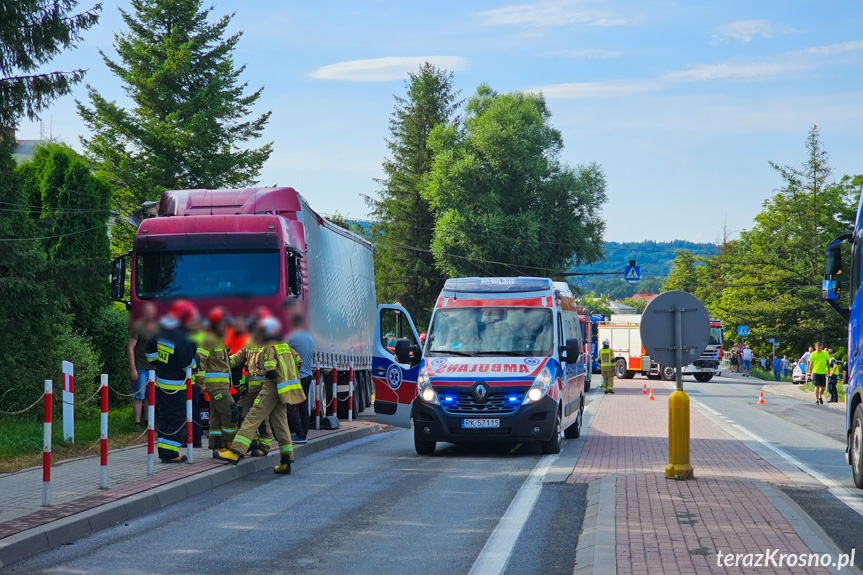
(856, 447)
(620, 368)
(667, 373)
(703, 377)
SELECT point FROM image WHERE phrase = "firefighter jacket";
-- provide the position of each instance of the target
(281, 365)
(606, 357)
(252, 354)
(171, 352)
(214, 368)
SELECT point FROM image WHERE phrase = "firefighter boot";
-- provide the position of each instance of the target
(178, 459)
(284, 466)
(258, 452)
(231, 457)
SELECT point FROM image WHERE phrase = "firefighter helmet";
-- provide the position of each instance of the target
(270, 327)
(218, 314)
(260, 313)
(184, 311)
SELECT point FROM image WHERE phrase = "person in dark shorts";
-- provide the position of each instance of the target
(819, 360)
(735, 362)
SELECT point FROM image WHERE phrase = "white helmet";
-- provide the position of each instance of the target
(606, 342)
(270, 327)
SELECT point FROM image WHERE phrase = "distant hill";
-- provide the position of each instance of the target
(654, 259)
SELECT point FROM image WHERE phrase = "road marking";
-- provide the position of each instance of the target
(494, 555)
(839, 491)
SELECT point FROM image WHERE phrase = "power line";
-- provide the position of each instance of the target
(56, 236)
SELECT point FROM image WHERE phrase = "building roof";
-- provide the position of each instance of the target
(616, 307)
(644, 296)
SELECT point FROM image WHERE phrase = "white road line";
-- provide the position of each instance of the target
(839, 491)
(494, 555)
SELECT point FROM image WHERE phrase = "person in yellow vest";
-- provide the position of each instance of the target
(606, 364)
(253, 356)
(281, 386)
(214, 371)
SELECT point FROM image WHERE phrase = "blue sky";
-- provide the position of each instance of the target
(682, 103)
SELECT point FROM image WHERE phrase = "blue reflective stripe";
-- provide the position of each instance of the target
(152, 355)
(164, 441)
(286, 448)
(165, 343)
(215, 432)
(229, 430)
(243, 440)
(216, 374)
(288, 385)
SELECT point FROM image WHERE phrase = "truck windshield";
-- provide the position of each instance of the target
(207, 273)
(491, 331)
(715, 336)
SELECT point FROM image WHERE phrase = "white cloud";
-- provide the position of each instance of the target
(790, 63)
(385, 69)
(746, 30)
(588, 54)
(548, 13)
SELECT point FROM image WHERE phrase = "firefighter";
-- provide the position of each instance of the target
(606, 363)
(171, 351)
(281, 386)
(215, 373)
(251, 355)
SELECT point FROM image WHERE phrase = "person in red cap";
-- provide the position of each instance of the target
(214, 372)
(171, 351)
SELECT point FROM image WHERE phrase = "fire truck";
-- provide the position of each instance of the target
(624, 335)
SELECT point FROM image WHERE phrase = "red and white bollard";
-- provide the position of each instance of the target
(318, 399)
(351, 391)
(46, 444)
(335, 391)
(189, 431)
(68, 402)
(151, 417)
(103, 464)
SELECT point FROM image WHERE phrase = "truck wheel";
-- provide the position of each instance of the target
(703, 377)
(856, 447)
(574, 430)
(667, 373)
(369, 387)
(552, 446)
(620, 368)
(423, 446)
(628, 374)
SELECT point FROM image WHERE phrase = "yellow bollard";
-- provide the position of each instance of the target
(678, 437)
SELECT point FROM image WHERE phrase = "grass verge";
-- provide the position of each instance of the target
(21, 438)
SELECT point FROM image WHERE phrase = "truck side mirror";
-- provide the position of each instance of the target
(294, 272)
(118, 278)
(571, 351)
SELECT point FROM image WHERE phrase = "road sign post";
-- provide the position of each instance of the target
(675, 329)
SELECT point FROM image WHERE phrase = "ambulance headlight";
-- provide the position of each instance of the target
(425, 389)
(540, 387)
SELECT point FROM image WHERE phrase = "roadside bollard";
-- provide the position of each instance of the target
(318, 399)
(351, 391)
(189, 434)
(68, 402)
(46, 444)
(335, 391)
(103, 467)
(151, 416)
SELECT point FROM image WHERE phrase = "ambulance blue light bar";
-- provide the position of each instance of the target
(498, 285)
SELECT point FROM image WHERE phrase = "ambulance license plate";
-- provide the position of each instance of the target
(205, 416)
(480, 423)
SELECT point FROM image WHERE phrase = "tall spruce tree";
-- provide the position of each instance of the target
(403, 216)
(189, 115)
(32, 32)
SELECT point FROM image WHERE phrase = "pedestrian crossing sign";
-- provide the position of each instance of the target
(632, 273)
(742, 331)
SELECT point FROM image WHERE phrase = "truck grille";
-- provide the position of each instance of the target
(495, 403)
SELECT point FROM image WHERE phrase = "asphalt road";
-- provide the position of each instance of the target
(812, 434)
(372, 506)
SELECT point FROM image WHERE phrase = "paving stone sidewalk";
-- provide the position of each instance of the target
(641, 523)
(75, 482)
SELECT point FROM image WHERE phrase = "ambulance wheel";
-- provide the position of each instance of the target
(552, 446)
(703, 377)
(423, 446)
(856, 447)
(620, 368)
(666, 372)
(574, 430)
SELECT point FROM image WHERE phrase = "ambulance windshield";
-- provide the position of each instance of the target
(493, 331)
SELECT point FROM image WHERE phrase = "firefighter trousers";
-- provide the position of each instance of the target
(263, 436)
(266, 406)
(607, 377)
(171, 424)
(224, 416)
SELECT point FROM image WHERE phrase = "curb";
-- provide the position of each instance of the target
(43, 538)
(796, 393)
(595, 553)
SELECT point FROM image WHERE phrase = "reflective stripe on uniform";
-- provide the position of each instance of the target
(217, 377)
(288, 385)
(606, 357)
(215, 432)
(168, 444)
(242, 440)
(203, 352)
(151, 356)
(229, 430)
(265, 442)
(170, 384)
(286, 448)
